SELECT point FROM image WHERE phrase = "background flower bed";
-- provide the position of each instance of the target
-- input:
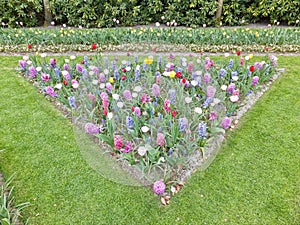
(149, 39)
(137, 106)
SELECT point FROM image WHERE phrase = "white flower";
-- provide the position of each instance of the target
(67, 60)
(117, 21)
(134, 94)
(247, 57)
(297, 21)
(124, 62)
(198, 61)
(25, 57)
(183, 59)
(3, 24)
(161, 159)
(226, 54)
(162, 18)
(120, 104)
(216, 101)
(142, 150)
(64, 72)
(128, 68)
(184, 64)
(235, 78)
(234, 98)
(144, 113)
(194, 83)
(145, 129)
(223, 87)
(110, 115)
(114, 19)
(166, 73)
(91, 73)
(269, 25)
(64, 25)
(72, 57)
(43, 55)
(275, 21)
(168, 24)
(204, 25)
(116, 96)
(105, 71)
(198, 110)
(29, 62)
(52, 23)
(21, 23)
(137, 89)
(75, 85)
(39, 69)
(198, 73)
(188, 100)
(80, 27)
(58, 86)
(102, 85)
(278, 23)
(157, 24)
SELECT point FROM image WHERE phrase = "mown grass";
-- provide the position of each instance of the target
(254, 179)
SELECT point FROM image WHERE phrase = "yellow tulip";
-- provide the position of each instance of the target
(172, 74)
(111, 80)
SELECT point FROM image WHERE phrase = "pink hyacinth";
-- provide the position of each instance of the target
(190, 67)
(159, 187)
(118, 142)
(92, 97)
(167, 105)
(45, 77)
(32, 72)
(104, 98)
(128, 147)
(160, 140)
(231, 88)
(213, 116)
(242, 61)
(145, 98)
(137, 112)
(67, 67)
(53, 62)
(79, 68)
(108, 87)
(226, 123)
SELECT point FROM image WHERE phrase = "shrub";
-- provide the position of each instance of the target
(27, 12)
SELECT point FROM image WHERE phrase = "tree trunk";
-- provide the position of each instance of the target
(219, 11)
(47, 13)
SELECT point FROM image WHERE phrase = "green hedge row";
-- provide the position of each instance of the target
(192, 13)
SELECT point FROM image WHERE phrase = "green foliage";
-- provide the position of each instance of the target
(281, 10)
(27, 12)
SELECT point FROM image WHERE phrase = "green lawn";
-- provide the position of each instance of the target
(254, 180)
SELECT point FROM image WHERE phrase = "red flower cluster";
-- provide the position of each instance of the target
(252, 68)
(29, 46)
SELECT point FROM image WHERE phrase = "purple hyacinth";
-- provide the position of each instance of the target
(255, 80)
(202, 129)
(53, 62)
(159, 187)
(22, 64)
(79, 68)
(226, 122)
(155, 90)
(32, 72)
(230, 63)
(50, 91)
(67, 67)
(206, 78)
(231, 88)
(91, 128)
(108, 87)
(127, 94)
(210, 92)
(102, 78)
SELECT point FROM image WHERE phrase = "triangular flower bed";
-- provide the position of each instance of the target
(159, 117)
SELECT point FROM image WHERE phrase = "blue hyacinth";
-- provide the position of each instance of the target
(202, 129)
(129, 122)
(72, 102)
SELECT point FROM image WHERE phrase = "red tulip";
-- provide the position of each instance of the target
(238, 53)
(123, 77)
(174, 113)
(29, 46)
(178, 74)
(183, 80)
(252, 68)
(94, 46)
(65, 82)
